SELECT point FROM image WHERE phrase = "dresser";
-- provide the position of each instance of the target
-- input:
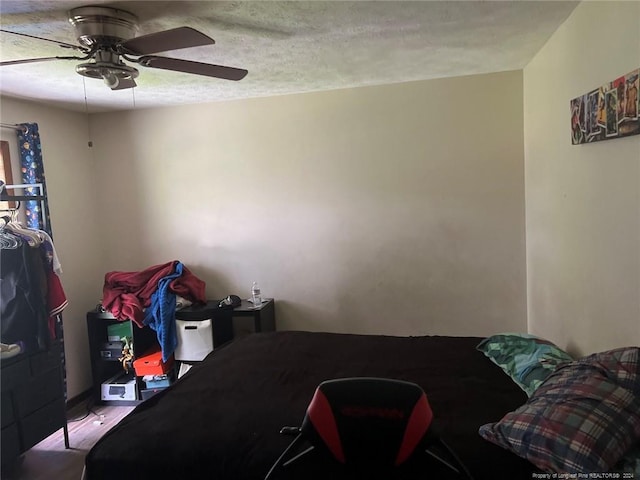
(32, 400)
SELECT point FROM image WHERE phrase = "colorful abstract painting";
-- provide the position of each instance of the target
(610, 111)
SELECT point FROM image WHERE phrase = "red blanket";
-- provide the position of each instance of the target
(126, 294)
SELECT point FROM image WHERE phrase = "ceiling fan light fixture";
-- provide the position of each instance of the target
(115, 75)
(111, 80)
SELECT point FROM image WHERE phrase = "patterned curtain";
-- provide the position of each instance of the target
(33, 172)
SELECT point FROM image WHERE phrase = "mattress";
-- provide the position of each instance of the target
(221, 421)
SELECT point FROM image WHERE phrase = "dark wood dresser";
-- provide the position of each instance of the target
(32, 401)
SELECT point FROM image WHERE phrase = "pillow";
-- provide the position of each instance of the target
(527, 359)
(582, 419)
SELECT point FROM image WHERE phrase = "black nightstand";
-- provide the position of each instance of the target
(264, 317)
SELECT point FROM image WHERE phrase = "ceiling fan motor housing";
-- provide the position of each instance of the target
(102, 26)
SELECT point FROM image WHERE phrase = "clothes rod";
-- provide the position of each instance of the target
(19, 128)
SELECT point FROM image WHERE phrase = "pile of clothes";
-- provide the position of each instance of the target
(149, 298)
(31, 293)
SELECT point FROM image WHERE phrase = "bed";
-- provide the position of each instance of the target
(221, 421)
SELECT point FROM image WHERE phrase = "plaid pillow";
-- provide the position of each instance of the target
(527, 359)
(630, 463)
(582, 419)
(621, 365)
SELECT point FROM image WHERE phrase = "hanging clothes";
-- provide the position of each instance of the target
(22, 293)
(31, 291)
(50, 252)
(56, 301)
(8, 240)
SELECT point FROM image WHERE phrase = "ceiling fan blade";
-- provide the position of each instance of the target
(124, 83)
(198, 68)
(61, 44)
(174, 39)
(30, 60)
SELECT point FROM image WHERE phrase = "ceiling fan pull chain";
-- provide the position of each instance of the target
(86, 110)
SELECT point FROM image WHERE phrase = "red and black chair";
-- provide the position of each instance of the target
(368, 425)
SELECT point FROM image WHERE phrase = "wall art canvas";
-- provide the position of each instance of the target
(610, 111)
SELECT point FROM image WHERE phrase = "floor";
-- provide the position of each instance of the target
(50, 460)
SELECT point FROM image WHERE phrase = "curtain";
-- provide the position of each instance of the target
(32, 169)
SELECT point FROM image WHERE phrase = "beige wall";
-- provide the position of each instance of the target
(69, 170)
(582, 202)
(394, 209)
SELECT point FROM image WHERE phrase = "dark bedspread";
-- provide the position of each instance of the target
(221, 421)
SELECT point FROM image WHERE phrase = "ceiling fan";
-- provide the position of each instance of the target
(106, 36)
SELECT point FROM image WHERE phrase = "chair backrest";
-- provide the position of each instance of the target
(368, 422)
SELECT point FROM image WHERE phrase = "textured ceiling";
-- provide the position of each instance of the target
(288, 47)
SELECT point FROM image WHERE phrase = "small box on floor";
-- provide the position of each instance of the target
(119, 387)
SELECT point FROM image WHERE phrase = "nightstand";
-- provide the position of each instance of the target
(263, 318)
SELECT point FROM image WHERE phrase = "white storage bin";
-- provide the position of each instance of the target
(195, 340)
